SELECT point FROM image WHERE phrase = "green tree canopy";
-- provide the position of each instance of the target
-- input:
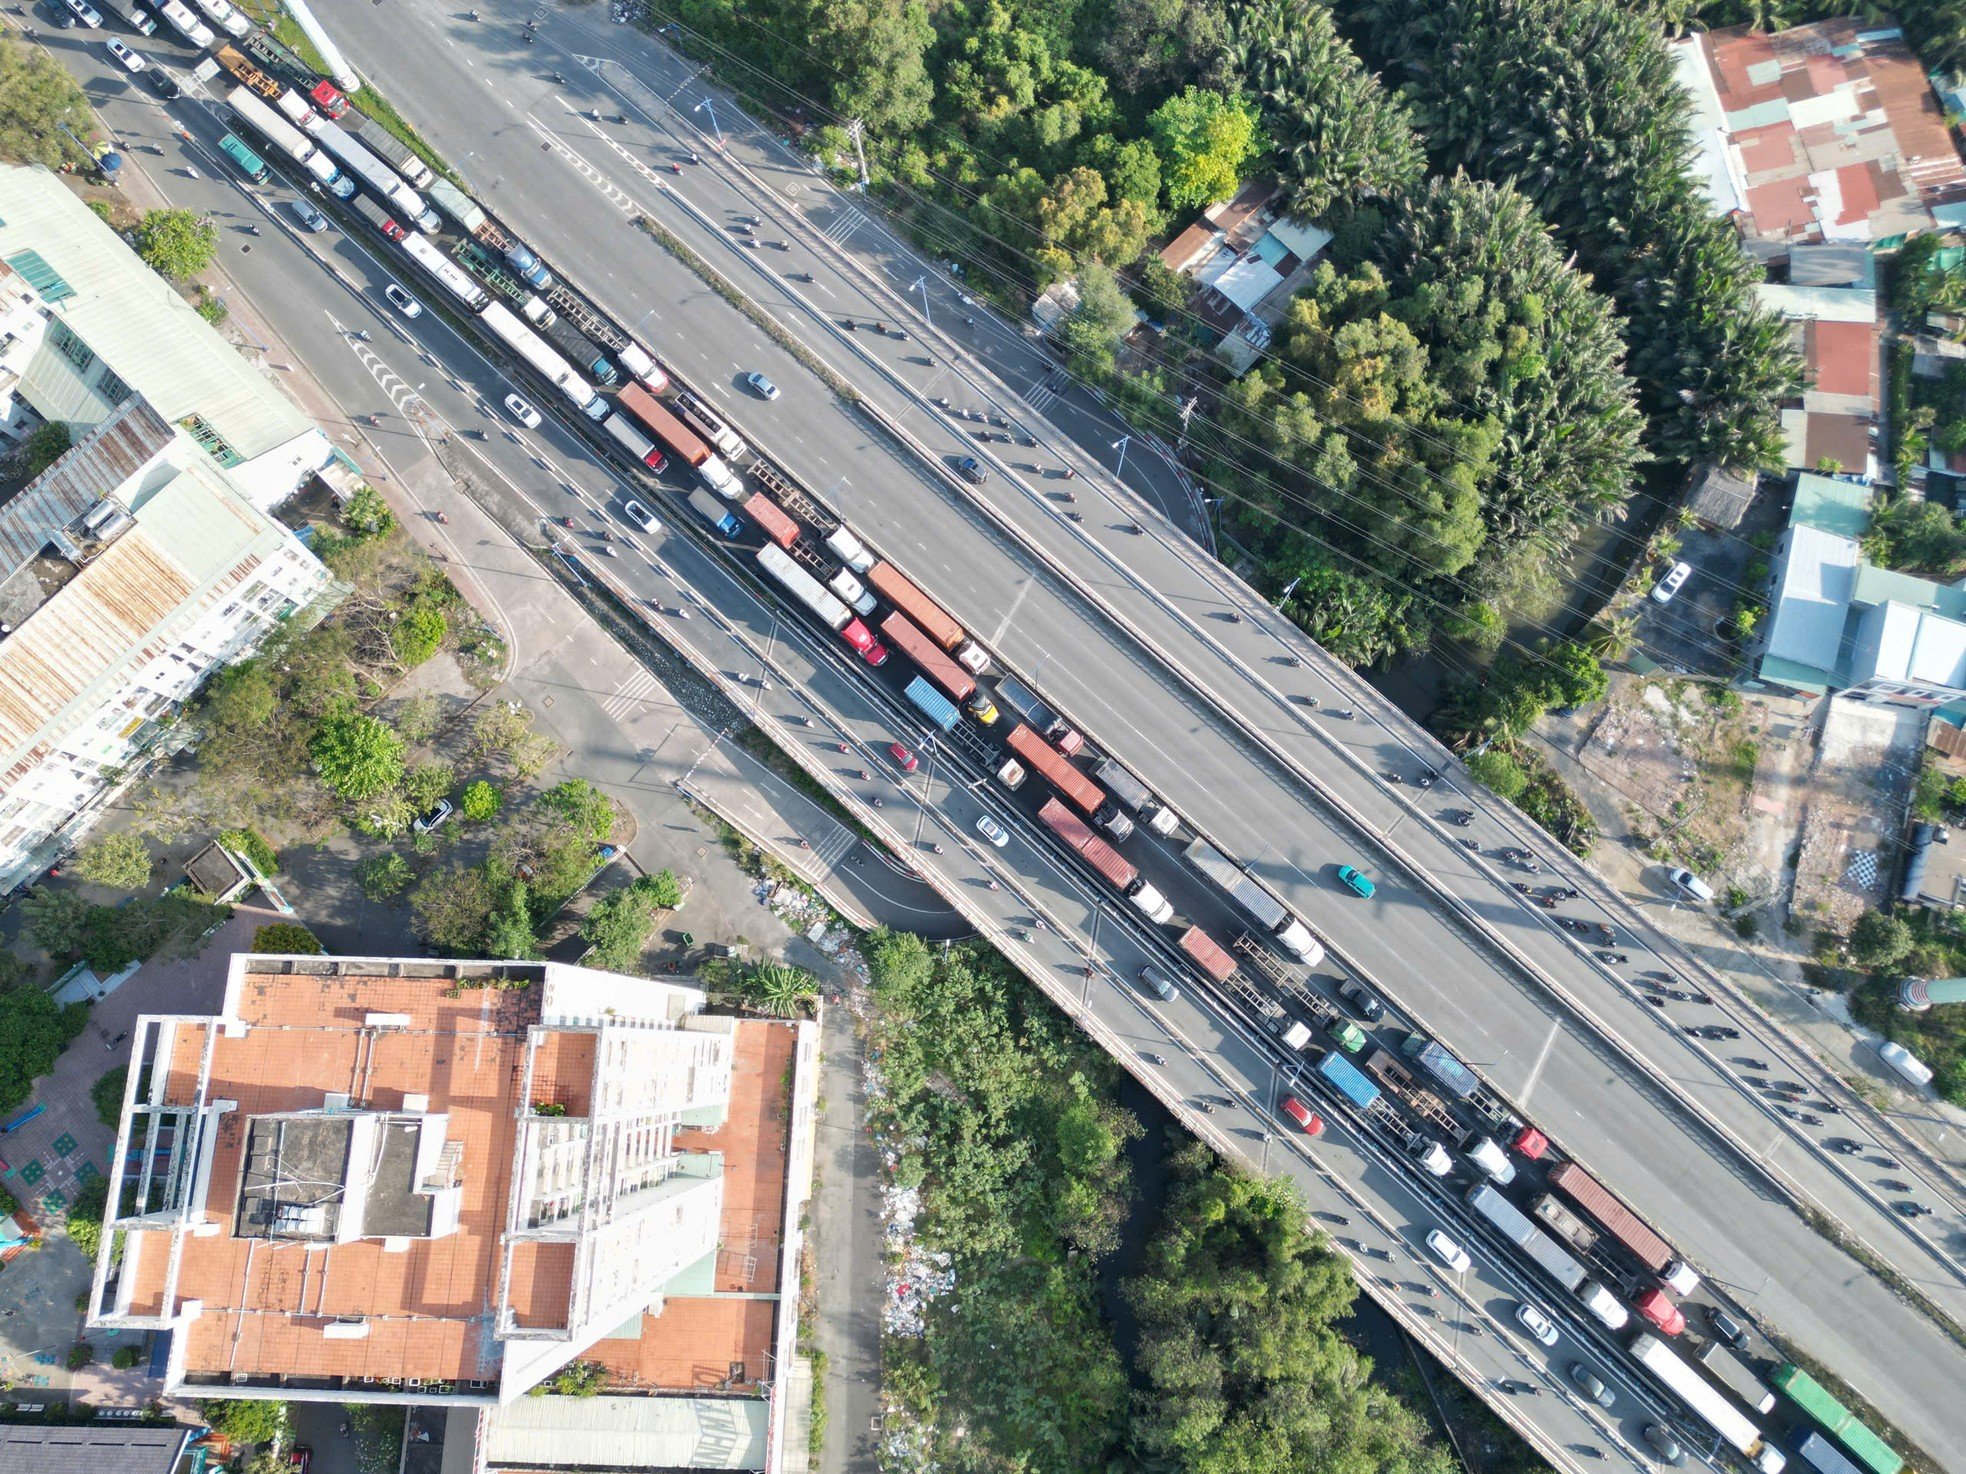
(178, 244)
(107, 1093)
(247, 1420)
(382, 876)
(1205, 137)
(120, 860)
(37, 95)
(357, 755)
(1880, 939)
(287, 938)
(418, 634)
(480, 801)
(83, 1225)
(509, 929)
(49, 442)
(34, 1030)
(617, 927)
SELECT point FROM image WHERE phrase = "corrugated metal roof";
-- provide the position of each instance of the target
(136, 323)
(194, 539)
(628, 1433)
(94, 467)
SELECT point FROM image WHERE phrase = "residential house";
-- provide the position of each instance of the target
(1832, 426)
(1246, 261)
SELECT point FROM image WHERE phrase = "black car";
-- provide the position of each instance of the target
(163, 84)
(1369, 1008)
(973, 470)
(1663, 1444)
(1726, 1328)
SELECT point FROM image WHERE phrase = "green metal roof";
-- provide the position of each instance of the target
(1824, 502)
(41, 276)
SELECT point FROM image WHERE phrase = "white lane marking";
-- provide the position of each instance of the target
(1528, 1085)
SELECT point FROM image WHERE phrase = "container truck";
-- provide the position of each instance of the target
(1733, 1374)
(1821, 1455)
(455, 203)
(1068, 780)
(638, 445)
(850, 550)
(933, 660)
(641, 363)
(1207, 954)
(186, 24)
(717, 514)
(1429, 1153)
(298, 110)
(1656, 1306)
(529, 266)
(929, 617)
(1296, 1034)
(853, 591)
(504, 324)
(831, 612)
(228, 20)
(932, 704)
(1699, 1398)
(378, 217)
(1062, 822)
(247, 71)
(373, 173)
(1566, 1225)
(1348, 1079)
(276, 130)
(1870, 1451)
(771, 519)
(1021, 699)
(1247, 892)
(702, 419)
(1121, 782)
(250, 164)
(672, 432)
(329, 99)
(453, 278)
(1489, 1157)
(1538, 1247)
(1453, 1076)
(392, 151)
(1623, 1225)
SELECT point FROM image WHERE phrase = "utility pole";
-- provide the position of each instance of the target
(855, 131)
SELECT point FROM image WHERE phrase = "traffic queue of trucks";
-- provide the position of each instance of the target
(930, 637)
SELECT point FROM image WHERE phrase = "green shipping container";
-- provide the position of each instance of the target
(1837, 1420)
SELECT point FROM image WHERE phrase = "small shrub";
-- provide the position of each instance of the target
(253, 845)
(125, 1358)
(80, 1355)
(282, 938)
(382, 876)
(480, 801)
(107, 1093)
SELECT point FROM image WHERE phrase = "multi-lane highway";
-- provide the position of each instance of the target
(1133, 683)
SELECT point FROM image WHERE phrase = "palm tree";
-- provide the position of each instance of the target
(779, 988)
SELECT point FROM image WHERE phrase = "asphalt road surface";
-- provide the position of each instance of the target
(1703, 1198)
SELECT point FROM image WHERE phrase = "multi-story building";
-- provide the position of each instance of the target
(443, 1182)
(86, 326)
(130, 570)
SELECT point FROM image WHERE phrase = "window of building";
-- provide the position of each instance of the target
(112, 387)
(71, 347)
(210, 441)
(41, 276)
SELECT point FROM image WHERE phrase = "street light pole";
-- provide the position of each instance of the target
(922, 282)
(1120, 446)
(710, 107)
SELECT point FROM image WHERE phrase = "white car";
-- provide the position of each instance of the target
(132, 63)
(991, 830)
(762, 386)
(83, 12)
(402, 301)
(427, 822)
(640, 515)
(1671, 584)
(521, 411)
(1536, 1323)
(1448, 1252)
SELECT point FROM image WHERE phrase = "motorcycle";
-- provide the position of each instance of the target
(674, 167)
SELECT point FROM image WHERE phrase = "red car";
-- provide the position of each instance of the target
(301, 1457)
(1306, 1118)
(903, 759)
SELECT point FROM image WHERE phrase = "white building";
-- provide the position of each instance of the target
(85, 325)
(129, 571)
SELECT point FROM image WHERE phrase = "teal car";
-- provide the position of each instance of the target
(1356, 881)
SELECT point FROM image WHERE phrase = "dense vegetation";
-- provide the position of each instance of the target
(1495, 349)
(999, 1111)
(34, 1030)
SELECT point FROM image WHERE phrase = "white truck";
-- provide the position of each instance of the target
(1247, 892)
(1705, 1403)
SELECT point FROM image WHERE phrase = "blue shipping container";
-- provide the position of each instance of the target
(1351, 1082)
(933, 704)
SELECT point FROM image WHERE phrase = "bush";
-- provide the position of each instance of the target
(662, 889)
(84, 1225)
(1499, 773)
(418, 635)
(125, 1358)
(357, 756)
(480, 801)
(577, 1379)
(247, 1420)
(285, 938)
(252, 844)
(176, 243)
(80, 1355)
(107, 1093)
(48, 444)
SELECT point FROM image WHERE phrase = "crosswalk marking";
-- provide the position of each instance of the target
(631, 693)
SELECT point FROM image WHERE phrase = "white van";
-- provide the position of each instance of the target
(1691, 885)
(1906, 1063)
